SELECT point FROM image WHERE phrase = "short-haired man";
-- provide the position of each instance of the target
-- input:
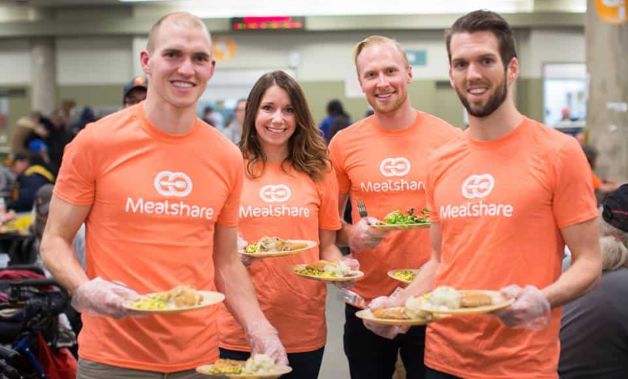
(160, 210)
(506, 196)
(381, 161)
(135, 91)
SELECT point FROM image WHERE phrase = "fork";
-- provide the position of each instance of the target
(361, 208)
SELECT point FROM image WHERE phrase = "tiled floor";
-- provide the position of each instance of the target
(334, 361)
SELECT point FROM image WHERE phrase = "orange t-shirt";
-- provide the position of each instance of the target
(501, 205)
(386, 169)
(155, 199)
(288, 205)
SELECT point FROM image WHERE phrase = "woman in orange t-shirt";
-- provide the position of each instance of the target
(289, 191)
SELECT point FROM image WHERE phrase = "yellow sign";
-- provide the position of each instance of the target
(224, 48)
(612, 11)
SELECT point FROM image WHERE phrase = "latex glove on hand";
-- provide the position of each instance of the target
(386, 331)
(531, 310)
(354, 265)
(245, 259)
(264, 339)
(362, 236)
(101, 297)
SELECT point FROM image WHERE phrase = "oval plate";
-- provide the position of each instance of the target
(366, 314)
(400, 226)
(499, 302)
(277, 372)
(307, 245)
(209, 298)
(355, 275)
(391, 274)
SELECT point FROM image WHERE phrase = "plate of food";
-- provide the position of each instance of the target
(327, 271)
(276, 247)
(410, 314)
(257, 367)
(178, 299)
(404, 275)
(398, 220)
(447, 300)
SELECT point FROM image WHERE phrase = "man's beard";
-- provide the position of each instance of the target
(390, 108)
(491, 105)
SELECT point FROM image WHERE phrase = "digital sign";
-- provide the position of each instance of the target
(267, 23)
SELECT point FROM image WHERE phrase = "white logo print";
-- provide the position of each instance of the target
(275, 193)
(394, 167)
(478, 186)
(169, 183)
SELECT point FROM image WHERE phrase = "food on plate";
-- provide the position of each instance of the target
(400, 218)
(258, 364)
(447, 298)
(404, 275)
(178, 297)
(327, 269)
(272, 245)
(475, 299)
(411, 311)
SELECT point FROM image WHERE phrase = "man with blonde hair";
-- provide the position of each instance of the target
(381, 161)
(160, 210)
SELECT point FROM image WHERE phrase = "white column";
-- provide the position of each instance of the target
(44, 78)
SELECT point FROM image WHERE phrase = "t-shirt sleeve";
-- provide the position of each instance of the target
(328, 218)
(76, 182)
(337, 161)
(229, 213)
(574, 201)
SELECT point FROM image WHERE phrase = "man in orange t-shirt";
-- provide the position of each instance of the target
(160, 209)
(381, 161)
(506, 196)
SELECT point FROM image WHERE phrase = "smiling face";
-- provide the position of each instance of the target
(179, 62)
(384, 77)
(275, 121)
(477, 72)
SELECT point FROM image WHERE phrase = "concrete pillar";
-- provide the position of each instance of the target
(606, 32)
(43, 75)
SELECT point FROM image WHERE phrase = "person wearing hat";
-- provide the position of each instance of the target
(26, 129)
(135, 91)
(594, 328)
(32, 173)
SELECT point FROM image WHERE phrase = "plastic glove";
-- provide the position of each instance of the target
(99, 296)
(531, 310)
(386, 331)
(264, 339)
(353, 264)
(362, 236)
(245, 259)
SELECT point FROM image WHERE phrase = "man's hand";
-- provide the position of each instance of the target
(264, 339)
(531, 310)
(385, 331)
(102, 297)
(362, 236)
(354, 265)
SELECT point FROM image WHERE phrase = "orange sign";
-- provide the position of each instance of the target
(612, 11)
(224, 48)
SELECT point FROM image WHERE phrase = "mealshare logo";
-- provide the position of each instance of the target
(274, 193)
(279, 193)
(394, 168)
(477, 186)
(170, 184)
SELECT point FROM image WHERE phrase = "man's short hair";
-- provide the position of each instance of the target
(378, 40)
(185, 19)
(485, 21)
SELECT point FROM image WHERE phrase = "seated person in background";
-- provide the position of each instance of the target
(601, 186)
(31, 173)
(594, 328)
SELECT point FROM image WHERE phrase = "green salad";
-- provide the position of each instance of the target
(399, 218)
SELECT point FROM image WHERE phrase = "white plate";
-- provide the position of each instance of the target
(209, 298)
(354, 275)
(307, 245)
(499, 302)
(278, 371)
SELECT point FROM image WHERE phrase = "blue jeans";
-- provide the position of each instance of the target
(373, 357)
(304, 365)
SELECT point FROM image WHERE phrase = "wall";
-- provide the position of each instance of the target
(93, 70)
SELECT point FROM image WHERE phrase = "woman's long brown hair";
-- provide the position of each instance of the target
(307, 151)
